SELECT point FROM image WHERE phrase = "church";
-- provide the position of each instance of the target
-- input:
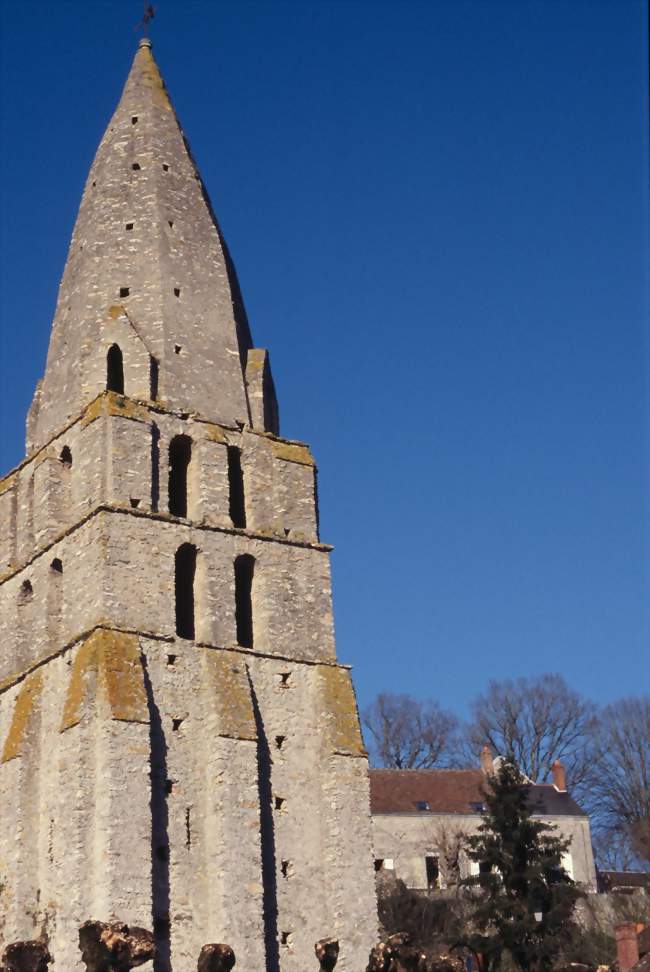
(179, 747)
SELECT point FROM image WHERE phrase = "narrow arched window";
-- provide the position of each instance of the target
(114, 370)
(56, 566)
(66, 457)
(184, 573)
(180, 454)
(236, 487)
(244, 570)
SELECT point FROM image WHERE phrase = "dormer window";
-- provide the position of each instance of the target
(477, 807)
(422, 805)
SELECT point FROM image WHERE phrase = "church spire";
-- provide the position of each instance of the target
(148, 273)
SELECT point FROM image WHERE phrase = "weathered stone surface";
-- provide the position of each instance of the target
(26, 957)
(144, 219)
(216, 958)
(327, 953)
(114, 947)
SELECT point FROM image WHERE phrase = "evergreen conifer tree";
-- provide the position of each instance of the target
(525, 905)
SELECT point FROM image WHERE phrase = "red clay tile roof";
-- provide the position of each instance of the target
(451, 791)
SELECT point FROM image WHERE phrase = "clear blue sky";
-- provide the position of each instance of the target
(439, 215)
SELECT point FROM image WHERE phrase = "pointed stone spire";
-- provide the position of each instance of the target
(147, 273)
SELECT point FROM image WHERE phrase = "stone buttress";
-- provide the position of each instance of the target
(179, 748)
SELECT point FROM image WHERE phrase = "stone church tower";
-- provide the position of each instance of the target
(179, 748)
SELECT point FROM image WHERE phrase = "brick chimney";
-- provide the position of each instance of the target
(627, 945)
(559, 776)
(487, 763)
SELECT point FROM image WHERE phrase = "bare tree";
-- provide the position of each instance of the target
(621, 786)
(408, 734)
(537, 720)
(449, 841)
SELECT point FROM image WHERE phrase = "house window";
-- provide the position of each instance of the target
(184, 573)
(236, 486)
(384, 864)
(114, 370)
(180, 454)
(244, 571)
(433, 872)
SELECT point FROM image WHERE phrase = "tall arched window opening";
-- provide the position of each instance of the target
(114, 370)
(184, 574)
(236, 486)
(180, 454)
(244, 570)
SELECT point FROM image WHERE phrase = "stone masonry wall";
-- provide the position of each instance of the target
(216, 792)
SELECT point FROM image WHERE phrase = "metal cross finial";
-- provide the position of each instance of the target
(149, 14)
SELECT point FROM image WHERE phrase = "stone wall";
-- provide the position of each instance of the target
(218, 790)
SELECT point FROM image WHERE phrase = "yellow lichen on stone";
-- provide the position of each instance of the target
(292, 452)
(255, 360)
(112, 661)
(8, 483)
(94, 411)
(213, 433)
(126, 407)
(150, 72)
(110, 403)
(115, 311)
(342, 726)
(24, 708)
(229, 693)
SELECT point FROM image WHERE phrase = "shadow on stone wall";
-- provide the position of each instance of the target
(159, 834)
(267, 840)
